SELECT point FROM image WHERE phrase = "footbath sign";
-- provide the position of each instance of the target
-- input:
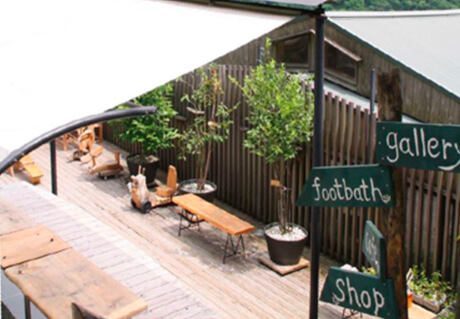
(342, 186)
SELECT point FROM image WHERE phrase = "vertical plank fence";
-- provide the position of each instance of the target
(433, 203)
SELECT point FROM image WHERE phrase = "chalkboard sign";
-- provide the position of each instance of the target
(374, 295)
(422, 146)
(341, 186)
(361, 292)
(374, 249)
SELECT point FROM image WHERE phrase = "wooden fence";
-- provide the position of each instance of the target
(433, 204)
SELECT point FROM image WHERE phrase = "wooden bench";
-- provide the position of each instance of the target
(27, 164)
(53, 276)
(202, 210)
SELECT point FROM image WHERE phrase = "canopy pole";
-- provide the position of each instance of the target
(371, 112)
(53, 167)
(315, 227)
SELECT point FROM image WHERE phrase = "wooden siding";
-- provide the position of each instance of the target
(422, 100)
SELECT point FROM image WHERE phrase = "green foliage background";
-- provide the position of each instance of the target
(392, 5)
(153, 131)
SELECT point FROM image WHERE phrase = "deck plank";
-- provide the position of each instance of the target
(100, 244)
(12, 219)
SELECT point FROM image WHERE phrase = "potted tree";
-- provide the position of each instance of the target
(280, 123)
(209, 123)
(153, 131)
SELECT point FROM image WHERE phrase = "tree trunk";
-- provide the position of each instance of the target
(281, 206)
(200, 166)
(392, 220)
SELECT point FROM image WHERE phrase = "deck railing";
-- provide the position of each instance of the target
(432, 198)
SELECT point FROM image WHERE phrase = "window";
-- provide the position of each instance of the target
(340, 63)
(293, 51)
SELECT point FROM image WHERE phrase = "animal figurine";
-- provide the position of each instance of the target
(86, 141)
(143, 199)
(106, 169)
(140, 194)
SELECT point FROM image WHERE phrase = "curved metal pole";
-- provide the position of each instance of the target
(15, 155)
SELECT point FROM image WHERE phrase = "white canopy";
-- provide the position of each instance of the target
(61, 60)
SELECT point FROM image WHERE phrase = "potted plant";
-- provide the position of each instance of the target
(280, 123)
(152, 131)
(209, 123)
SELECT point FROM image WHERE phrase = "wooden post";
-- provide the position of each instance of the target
(457, 301)
(392, 221)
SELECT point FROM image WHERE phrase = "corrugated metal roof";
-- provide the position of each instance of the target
(424, 41)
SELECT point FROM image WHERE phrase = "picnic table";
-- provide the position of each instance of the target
(52, 275)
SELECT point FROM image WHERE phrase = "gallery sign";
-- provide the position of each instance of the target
(422, 146)
(342, 186)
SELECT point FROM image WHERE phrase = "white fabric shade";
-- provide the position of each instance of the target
(61, 60)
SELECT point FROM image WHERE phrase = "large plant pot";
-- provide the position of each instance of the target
(285, 252)
(207, 194)
(149, 162)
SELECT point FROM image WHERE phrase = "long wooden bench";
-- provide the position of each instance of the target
(203, 210)
(57, 279)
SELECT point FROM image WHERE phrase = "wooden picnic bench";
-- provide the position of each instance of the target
(56, 278)
(195, 210)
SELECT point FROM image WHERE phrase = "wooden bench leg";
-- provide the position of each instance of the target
(234, 248)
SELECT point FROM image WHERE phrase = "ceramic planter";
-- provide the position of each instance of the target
(208, 194)
(133, 161)
(285, 252)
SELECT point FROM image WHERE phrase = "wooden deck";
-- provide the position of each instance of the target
(179, 277)
(107, 249)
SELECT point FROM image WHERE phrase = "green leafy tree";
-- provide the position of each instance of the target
(152, 131)
(211, 121)
(280, 119)
(393, 5)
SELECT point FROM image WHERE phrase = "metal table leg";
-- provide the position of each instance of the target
(27, 308)
(234, 248)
